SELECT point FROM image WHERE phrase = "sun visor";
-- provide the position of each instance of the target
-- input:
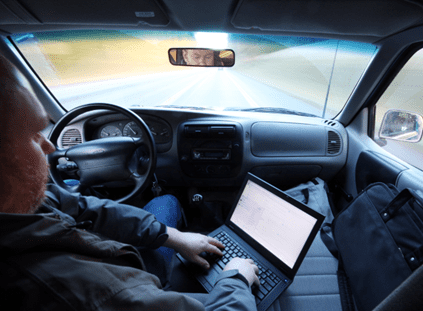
(328, 17)
(81, 12)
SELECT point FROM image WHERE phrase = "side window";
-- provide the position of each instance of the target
(398, 124)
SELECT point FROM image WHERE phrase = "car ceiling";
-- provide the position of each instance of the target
(359, 20)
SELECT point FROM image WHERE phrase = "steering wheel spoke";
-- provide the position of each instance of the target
(139, 141)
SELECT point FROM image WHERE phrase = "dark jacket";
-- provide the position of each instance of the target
(48, 261)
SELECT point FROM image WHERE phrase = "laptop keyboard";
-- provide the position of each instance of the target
(268, 280)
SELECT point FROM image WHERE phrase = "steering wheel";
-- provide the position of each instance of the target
(107, 159)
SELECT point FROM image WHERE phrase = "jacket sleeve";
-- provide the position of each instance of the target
(230, 293)
(120, 222)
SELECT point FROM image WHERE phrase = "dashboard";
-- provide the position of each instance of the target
(100, 125)
(217, 149)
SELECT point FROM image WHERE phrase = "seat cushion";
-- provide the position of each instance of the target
(315, 286)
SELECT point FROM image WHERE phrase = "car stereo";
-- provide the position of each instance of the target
(210, 148)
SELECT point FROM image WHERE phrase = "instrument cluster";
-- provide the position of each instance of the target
(160, 131)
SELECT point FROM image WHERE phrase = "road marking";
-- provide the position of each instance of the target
(246, 96)
(175, 97)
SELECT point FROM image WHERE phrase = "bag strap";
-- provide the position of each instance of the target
(327, 238)
(306, 194)
(400, 200)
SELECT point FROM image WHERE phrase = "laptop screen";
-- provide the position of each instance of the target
(279, 226)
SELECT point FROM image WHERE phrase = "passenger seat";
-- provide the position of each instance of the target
(315, 286)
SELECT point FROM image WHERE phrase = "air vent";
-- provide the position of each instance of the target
(71, 138)
(329, 122)
(210, 130)
(334, 143)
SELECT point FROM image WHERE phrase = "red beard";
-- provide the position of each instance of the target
(25, 185)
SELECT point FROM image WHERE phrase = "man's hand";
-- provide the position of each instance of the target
(246, 267)
(190, 245)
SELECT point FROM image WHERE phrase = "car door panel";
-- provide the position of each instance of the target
(367, 163)
(375, 167)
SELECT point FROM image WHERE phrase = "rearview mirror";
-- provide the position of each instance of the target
(201, 57)
(401, 125)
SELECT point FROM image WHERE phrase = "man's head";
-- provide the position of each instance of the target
(23, 148)
(198, 57)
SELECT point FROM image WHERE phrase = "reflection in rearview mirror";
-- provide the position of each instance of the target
(201, 57)
(401, 125)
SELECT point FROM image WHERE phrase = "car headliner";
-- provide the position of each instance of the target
(366, 21)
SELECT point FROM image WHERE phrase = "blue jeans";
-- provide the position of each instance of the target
(167, 210)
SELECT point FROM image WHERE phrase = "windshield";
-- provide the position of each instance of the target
(131, 68)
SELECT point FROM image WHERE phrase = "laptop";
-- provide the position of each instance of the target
(268, 226)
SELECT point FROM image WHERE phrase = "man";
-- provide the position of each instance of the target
(71, 252)
(200, 57)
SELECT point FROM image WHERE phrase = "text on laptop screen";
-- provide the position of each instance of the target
(276, 224)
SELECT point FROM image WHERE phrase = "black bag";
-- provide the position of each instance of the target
(378, 239)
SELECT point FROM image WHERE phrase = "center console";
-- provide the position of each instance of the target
(210, 148)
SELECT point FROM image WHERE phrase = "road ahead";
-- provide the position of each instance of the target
(199, 87)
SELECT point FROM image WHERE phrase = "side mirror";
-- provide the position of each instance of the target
(201, 57)
(401, 125)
